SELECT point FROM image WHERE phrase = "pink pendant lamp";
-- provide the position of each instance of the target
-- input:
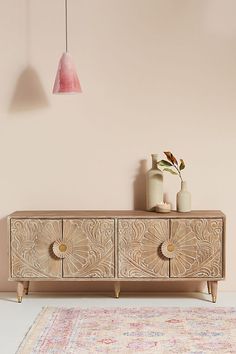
(66, 78)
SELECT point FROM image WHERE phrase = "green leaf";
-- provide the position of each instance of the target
(170, 170)
(171, 157)
(182, 164)
(164, 163)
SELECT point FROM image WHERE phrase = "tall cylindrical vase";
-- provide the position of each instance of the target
(183, 198)
(154, 185)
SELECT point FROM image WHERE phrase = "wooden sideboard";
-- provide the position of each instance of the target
(116, 246)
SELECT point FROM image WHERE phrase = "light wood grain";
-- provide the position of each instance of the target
(214, 285)
(20, 291)
(63, 214)
(118, 246)
(199, 248)
(31, 242)
(139, 248)
(26, 287)
(209, 287)
(163, 279)
(92, 248)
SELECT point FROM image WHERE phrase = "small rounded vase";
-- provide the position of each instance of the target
(183, 199)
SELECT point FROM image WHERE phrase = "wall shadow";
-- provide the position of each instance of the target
(29, 93)
(139, 187)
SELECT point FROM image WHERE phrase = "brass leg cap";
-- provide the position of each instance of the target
(19, 299)
(214, 299)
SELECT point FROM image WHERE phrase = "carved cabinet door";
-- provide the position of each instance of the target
(139, 248)
(91, 249)
(31, 248)
(197, 246)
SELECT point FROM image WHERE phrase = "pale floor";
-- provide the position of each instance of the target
(16, 318)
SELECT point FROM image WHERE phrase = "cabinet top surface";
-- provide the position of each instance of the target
(114, 214)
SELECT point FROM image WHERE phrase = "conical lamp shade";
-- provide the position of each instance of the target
(66, 79)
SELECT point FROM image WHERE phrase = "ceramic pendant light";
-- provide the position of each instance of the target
(66, 81)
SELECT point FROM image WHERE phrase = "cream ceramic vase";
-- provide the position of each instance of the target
(154, 185)
(183, 198)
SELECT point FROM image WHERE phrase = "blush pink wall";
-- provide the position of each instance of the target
(156, 75)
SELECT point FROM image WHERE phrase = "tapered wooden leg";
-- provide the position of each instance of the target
(209, 287)
(214, 290)
(20, 291)
(26, 287)
(117, 289)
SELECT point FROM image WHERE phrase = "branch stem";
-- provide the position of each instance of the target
(179, 173)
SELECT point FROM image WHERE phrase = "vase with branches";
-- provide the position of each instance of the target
(171, 165)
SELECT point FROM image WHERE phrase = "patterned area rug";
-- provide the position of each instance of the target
(132, 330)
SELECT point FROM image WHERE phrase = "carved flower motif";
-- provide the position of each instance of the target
(140, 241)
(185, 242)
(62, 248)
(168, 249)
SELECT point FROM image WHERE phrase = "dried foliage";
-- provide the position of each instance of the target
(171, 165)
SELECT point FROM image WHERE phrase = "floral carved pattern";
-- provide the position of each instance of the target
(139, 248)
(199, 248)
(31, 242)
(92, 248)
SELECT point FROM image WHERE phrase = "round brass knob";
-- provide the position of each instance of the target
(168, 249)
(61, 248)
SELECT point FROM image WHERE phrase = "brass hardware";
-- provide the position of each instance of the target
(170, 247)
(63, 247)
(19, 299)
(117, 289)
(214, 299)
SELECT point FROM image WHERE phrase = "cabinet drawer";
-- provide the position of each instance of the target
(91, 242)
(31, 243)
(139, 246)
(198, 245)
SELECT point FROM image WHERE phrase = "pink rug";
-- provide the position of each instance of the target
(132, 330)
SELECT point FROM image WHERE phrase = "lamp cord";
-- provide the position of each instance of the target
(66, 25)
